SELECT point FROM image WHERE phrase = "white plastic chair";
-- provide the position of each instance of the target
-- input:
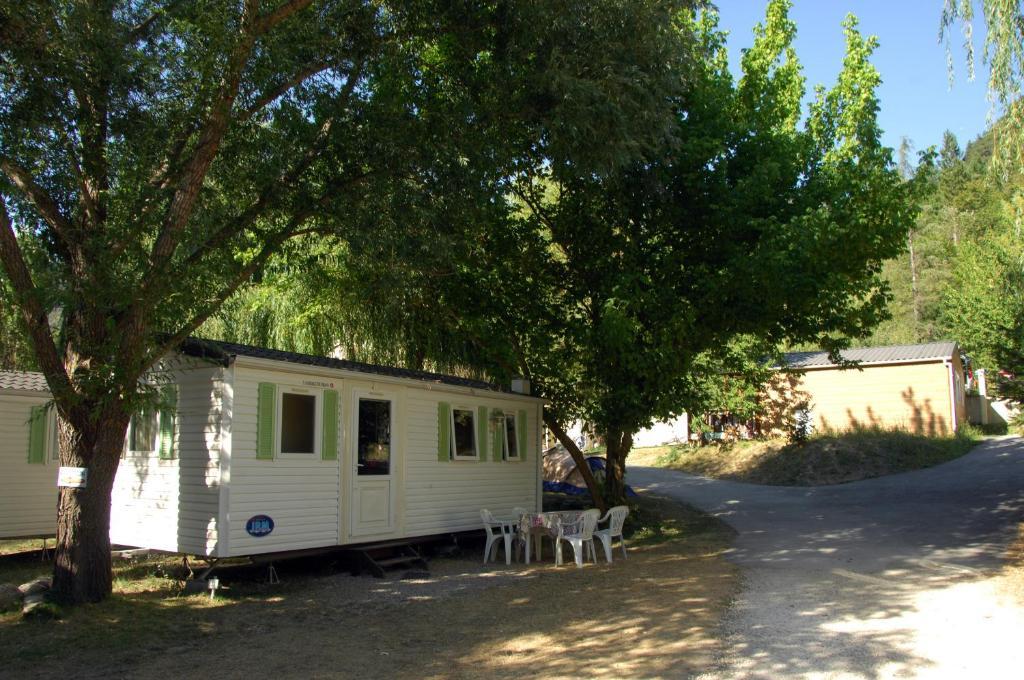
(496, 529)
(519, 538)
(578, 534)
(615, 517)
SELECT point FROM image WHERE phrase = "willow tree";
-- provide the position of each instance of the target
(154, 155)
(1003, 52)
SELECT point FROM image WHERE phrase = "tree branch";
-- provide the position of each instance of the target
(266, 201)
(270, 247)
(249, 217)
(32, 312)
(216, 126)
(268, 21)
(39, 197)
(283, 88)
(140, 30)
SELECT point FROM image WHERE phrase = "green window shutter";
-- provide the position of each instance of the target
(498, 440)
(329, 446)
(521, 434)
(37, 435)
(168, 413)
(481, 433)
(266, 412)
(444, 431)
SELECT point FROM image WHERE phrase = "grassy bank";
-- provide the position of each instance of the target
(827, 458)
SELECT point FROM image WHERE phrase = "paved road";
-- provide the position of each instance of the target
(884, 578)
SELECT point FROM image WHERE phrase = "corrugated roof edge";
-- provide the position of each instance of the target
(888, 354)
(223, 352)
(24, 381)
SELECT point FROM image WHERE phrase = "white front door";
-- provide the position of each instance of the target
(375, 464)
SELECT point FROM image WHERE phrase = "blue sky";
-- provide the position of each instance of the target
(915, 96)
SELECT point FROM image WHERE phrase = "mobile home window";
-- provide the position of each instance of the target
(143, 430)
(510, 446)
(298, 423)
(374, 437)
(463, 433)
(54, 441)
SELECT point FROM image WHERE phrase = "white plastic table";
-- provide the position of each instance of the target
(537, 525)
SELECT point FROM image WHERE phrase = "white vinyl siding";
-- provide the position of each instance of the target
(28, 492)
(300, 492)
(442, 497)
(200, 501)
(172, 503)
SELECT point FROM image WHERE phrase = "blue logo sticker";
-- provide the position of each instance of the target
(259, 525)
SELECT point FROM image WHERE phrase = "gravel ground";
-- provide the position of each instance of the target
(896, 577)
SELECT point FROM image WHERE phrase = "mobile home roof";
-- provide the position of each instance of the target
(23, 381)
(224, 352)
(892, 354)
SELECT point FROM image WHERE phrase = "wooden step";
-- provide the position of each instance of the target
(401, 559)
(397, 553)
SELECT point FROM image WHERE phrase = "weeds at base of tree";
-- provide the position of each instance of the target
(45, 611)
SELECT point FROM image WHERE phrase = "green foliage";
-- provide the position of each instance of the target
(749, 226)
(155, 155)
(963, 281)
(646, 288)
(627, 294)
(983, 300)
(15, 348)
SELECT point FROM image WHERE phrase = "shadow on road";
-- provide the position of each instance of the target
(889, 577)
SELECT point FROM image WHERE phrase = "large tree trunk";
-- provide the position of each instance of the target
(618, 446)
(82, 566)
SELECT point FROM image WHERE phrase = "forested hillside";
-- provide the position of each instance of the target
(959, 277)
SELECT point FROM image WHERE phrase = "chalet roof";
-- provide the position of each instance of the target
(892, 354)
(223, 352)
(28, 381)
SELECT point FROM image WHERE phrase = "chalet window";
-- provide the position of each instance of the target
(374, 436)
(142, 432)
(510, 442)
(153, 429)
(42, 436)
(463, 434)
(298, 423)
(37, 435)
(53, 442)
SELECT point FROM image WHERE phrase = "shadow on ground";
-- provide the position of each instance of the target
(890, 577)
(656, 614)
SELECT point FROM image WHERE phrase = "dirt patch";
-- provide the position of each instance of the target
(1011, 581)
(653, 615)
(824, 459)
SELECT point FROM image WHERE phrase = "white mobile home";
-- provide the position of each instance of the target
(28, 461)
(259, 451)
